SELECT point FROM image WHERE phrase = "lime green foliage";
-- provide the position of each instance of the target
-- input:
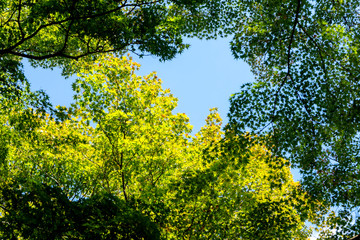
(237, 190)
(304, 55)
(119, 160)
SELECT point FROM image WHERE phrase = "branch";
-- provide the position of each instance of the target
(357, 237)
(319, 49)
(9, 19)
(61, 54)
(288, 56)
(192, 221)
(5, 209)
(123, 177)
(19, 21)
(66, 37)
(23, 39)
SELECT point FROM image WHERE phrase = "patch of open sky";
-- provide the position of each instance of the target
(202, 77)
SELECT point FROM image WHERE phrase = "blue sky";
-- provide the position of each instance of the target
(202, 77)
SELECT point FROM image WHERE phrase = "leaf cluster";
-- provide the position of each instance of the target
(39, 211)
(71, 29)
(304, 55)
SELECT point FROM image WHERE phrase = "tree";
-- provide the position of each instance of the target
(52, 33)
(40, 211)
(305, 100)
(120, 147)
(237, 190)
(72, 29)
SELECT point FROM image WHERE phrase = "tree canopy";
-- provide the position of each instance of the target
(121, 146)
(305, 99)
(45, 29)
(120, 157)
(52, 33)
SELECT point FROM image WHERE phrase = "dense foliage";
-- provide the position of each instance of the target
(40, 211)
(120, 157)
(121, 146)
(305, 100)
(72, 29)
